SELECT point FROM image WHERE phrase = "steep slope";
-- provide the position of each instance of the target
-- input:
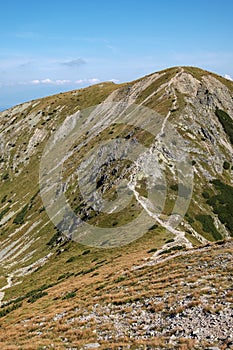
(187, 163)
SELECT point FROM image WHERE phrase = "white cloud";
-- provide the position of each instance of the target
(90, 81)
(93, 81)
(64, 81)
(46, 81)
(114, 81)
(49, 81)
(80, 81)
(35, 82)
(227, 76)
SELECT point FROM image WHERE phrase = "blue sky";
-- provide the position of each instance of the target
(52, 46)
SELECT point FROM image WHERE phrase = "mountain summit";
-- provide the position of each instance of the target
(136, 176)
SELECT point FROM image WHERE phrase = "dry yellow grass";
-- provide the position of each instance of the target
(41, 324)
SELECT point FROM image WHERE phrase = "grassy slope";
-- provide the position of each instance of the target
(73, 268)
(165, 285)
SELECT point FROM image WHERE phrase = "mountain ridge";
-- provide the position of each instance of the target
(37, 258)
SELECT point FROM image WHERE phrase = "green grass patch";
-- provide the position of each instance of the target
(226, 165)
(120, 279)
(7, 310)
(152, 250)
(4, 199)
(69, 295)
(37, 296)
(19, 219)
(227, 123)
(167, 251)
(208, 226)
(222, 204)
(3, 212)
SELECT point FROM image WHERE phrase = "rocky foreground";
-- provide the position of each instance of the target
(203, 316)
(182, 302)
